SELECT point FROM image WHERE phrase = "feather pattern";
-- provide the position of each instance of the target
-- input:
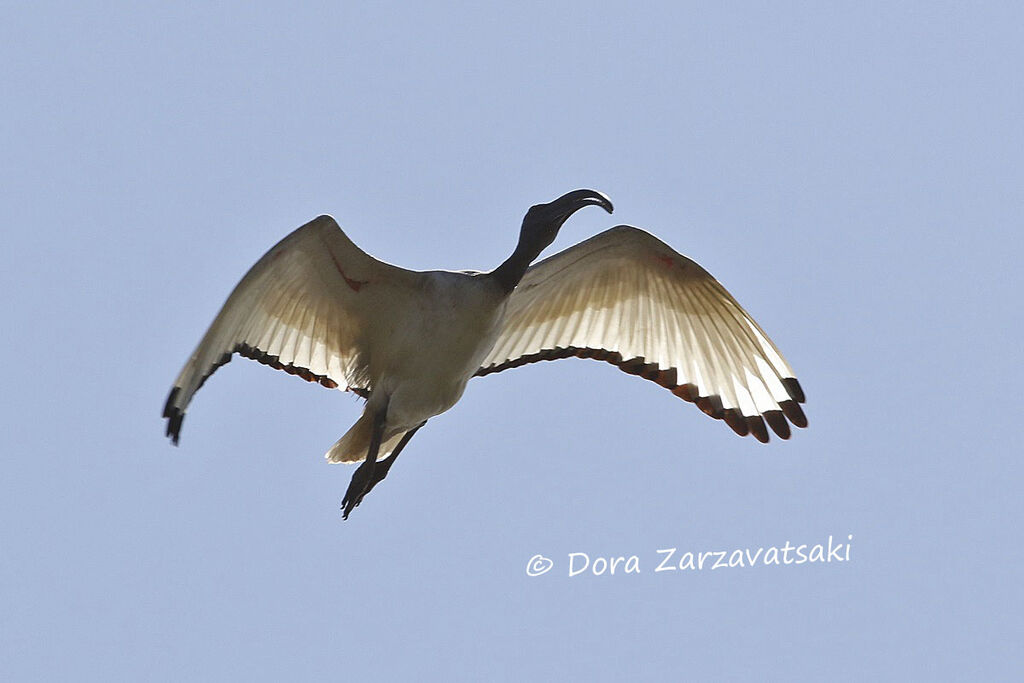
(626, 297)
(295, 310)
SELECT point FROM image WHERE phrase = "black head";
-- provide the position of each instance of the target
(540, 227)
(543, 221)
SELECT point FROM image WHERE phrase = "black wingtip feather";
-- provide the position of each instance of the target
(735, 420)
(174, 416)
(174, 426)
(171, 398)
(757, 428)
(711, 405)
(777, 421)
(794, 412)
(794, 390)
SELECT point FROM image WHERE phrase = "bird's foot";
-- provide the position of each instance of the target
(363, 481)
(357, 488)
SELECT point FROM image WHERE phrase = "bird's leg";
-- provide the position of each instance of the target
(359, 485)
(363, 480)
(381, 470)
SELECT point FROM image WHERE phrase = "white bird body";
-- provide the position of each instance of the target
(408, 341)
(435, 343)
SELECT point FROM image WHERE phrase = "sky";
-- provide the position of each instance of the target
(851, 172)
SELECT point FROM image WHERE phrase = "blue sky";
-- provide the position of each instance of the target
(851, 172)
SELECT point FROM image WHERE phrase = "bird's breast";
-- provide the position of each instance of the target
(436, 345)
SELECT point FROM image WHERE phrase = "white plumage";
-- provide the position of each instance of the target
(319, 307)
(626, 296)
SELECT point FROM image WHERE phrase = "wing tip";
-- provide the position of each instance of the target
(794, 389)
(711, 406)
(757, 427)
(793, 411)
(174, 415)
(736, 422)
(777, 421)
(174, 426)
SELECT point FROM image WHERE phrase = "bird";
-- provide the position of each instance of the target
(407, 342)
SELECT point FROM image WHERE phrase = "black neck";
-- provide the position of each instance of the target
(509, 273)
(540, 225)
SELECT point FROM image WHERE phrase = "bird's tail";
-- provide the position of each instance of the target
(353, 446)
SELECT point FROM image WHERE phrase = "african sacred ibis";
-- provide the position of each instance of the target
(318, 307)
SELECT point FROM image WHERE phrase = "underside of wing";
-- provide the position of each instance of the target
(298, 310)
(625, 297)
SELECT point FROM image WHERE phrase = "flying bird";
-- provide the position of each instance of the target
(320, 308)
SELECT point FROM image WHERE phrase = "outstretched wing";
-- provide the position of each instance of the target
(296, 310)
(626, 297)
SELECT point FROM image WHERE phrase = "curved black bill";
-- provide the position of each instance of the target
(577, 199)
